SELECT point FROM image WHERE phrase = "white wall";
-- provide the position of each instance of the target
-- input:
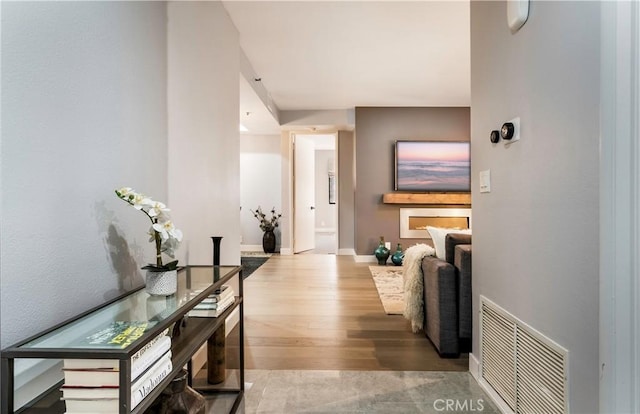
(536, 239)
(260, 183)
(322, 119)
(204, 147)
(83, 112)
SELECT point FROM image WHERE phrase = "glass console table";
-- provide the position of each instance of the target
(68, 339)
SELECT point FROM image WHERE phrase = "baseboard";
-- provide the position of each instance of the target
(365, 258)
(474, 370)
(495, 398)
(251, 248)
(258, 248)
(346, 252)
(474, 367)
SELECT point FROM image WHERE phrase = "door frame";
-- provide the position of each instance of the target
(308, 240)
(619, 360)
(288, 186)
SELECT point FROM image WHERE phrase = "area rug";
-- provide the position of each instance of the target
(252, 262)
(389, 283)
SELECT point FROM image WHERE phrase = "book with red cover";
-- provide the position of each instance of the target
(140, 361)
(99, 399)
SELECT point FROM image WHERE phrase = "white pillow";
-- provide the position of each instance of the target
(438, 235)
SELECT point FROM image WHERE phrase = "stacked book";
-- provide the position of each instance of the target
(213, 305)
(92, 385)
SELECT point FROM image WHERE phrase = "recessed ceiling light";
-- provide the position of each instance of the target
(243, 128)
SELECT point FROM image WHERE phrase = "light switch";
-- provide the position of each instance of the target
(485, 181)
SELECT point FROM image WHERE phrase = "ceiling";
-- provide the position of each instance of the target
(321, 55)
(254, 116)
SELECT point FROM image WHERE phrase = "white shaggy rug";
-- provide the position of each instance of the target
(413, 284)
(389, 282)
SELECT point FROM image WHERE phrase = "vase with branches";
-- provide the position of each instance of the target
(267, 225)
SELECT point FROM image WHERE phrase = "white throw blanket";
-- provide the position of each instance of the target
(414, 284)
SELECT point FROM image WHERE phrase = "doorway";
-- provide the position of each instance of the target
(315, 203)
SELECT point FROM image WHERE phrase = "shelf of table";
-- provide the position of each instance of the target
(191, 338)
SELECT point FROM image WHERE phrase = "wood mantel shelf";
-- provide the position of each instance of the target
(426, 198)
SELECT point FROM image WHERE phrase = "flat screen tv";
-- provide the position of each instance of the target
(437, 166)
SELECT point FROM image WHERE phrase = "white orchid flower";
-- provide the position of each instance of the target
(162, 228)
(167, 230)
(169, 252)
(139, 201)
(157, 208)
(124, 191)
(176, 234)
(169, 246)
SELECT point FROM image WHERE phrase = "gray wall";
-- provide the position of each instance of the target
(83, 113)
(535, 242)
(346, 191)
(96, 96)
(377, 131)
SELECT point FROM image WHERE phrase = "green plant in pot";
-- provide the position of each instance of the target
(161, 278)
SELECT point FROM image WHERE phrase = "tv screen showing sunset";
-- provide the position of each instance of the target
(433, 166)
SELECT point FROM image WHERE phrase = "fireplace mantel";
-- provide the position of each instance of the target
(427, 198)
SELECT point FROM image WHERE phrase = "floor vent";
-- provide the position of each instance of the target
(527, 370)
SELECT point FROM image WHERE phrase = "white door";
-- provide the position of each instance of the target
(304, 217)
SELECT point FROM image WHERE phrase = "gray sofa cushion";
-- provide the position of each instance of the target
(447, 297)
(462, 264)
(450, 243)
(440, 302)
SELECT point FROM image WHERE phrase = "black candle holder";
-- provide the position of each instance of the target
(216, 249)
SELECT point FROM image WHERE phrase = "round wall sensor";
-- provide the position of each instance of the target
(507, 130)
(495, 136)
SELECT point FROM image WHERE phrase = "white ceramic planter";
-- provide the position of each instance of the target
(161, 283)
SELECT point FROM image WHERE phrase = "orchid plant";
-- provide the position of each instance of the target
(265, 223)
(163, 233)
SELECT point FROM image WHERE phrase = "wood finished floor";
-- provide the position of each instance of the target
(311, 312)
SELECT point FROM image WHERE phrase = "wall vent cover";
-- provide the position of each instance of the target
(526, 369)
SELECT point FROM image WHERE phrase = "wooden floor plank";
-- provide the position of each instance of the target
(323, 312)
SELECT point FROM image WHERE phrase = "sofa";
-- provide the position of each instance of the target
(447, 297)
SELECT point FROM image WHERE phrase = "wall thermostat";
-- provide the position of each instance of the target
(510, 131)
(495, 136)
(507, 131)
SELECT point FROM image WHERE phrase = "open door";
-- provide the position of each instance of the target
(304, 194)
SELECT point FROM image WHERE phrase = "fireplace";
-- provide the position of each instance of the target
(414, 221)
